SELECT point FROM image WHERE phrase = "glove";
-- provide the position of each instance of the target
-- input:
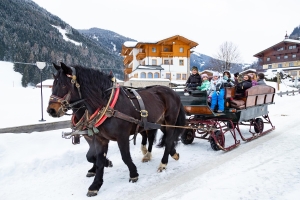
(228, 80)
(236, 74)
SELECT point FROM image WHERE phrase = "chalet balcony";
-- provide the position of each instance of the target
(141, 56)
(285, 52)
(127, 70)
(166, 54)
(128, 59)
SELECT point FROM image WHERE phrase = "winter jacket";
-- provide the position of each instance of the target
(214, 85)
(254, 82)
(242, 86)
(261, 82)
(204, 86)
(194, 80)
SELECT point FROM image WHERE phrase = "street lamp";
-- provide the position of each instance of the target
(41, 66)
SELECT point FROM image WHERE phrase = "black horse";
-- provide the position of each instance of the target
(104, 112)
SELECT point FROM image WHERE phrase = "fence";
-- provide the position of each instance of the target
(37, 127)
(293, 92)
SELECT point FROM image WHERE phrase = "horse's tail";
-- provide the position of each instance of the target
(177, 132)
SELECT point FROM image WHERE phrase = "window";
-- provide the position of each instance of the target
(154, 62)
(168, 76)
(178, 76)
(279, 65)
(278, 57)
(269, 66)
(166, 62)
(291, 64)
(294, 56)
(153, 49)
(181, 49)
(268, 59)
(292, 47)
(280, 49)
(143, 75)
(166, 49)
(181, 63)
(150, 75)
(156, 75)
(285, 57)
(183, 76)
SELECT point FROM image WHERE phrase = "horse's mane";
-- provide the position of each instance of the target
(93, 85)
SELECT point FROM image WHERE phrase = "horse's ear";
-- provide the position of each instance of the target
(111, 73)
(66, 69)
(56, 66)
(54, 76)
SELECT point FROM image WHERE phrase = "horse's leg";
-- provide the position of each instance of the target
(151, 137)
(90, 156)
(144, 142)
(166, 140)
(123, 144)
(170, 139)
(101, 148)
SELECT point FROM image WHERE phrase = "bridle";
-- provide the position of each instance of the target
(65, 105)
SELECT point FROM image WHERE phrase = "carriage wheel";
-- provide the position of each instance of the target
(220, 140)
(258, 125)
(188, 136)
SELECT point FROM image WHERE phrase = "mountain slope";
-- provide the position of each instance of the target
(29, 34)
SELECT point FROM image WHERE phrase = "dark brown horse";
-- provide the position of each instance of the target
(104, 112)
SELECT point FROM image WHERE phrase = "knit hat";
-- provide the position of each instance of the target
(204, 75)
(216, 74)
(194, 68)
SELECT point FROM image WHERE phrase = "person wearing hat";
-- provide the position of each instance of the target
(194, 80)
(216, 93)
(205, 83)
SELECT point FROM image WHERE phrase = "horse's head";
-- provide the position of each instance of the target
(65, 91)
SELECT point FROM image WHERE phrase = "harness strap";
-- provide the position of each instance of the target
(143, 111)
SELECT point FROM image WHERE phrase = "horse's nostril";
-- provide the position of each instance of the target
(51, 111)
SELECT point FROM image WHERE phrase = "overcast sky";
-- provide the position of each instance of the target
(252, 25)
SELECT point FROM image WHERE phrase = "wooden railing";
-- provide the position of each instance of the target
(293, 92)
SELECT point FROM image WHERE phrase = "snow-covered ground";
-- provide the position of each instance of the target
(42, 165)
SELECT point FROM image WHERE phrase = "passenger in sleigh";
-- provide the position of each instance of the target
(194, 80)
(243, 86)
(217, 91)
(205, 85)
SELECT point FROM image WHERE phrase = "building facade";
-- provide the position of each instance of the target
(168, 58)
(284, 55)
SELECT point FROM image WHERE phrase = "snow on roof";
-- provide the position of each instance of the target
(291, 40)
(248, 70)
(130, 44)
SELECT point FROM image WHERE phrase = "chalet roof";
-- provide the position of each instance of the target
(131, 44)
(282, 42)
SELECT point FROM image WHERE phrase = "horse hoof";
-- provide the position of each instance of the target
(147, 157)
(90, 174)
(92, 193)
(162, 167)
(144, 149)
(109, 164)
(176, 156)
(135, 179)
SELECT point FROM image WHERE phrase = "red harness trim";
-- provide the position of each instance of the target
(100, 121)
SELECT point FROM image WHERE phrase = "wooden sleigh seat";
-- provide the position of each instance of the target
(256, 95)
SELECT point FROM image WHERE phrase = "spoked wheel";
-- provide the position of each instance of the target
(188, 136)
(258, 125)
(220, 139)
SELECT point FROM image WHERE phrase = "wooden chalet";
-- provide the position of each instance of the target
(168, 58)
(284, 55)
